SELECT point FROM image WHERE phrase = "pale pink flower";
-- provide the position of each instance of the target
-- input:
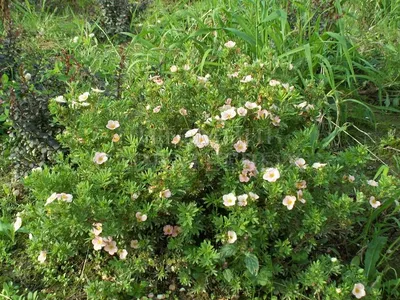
(111, 247)
(165, 193)
(134, 196)
(215, 146)
(374, 203)
(318, 165)
(83, 97)
(285, 86)
(232, 237)
(66, 197)
(176, 139)
(359, 290)
(242, 111)
(229, 199)
(60, 99)
(228, 114)
(275, 120)
(246, 79)
(177, 230)
(271, 175)
(243, 178)
(251, 105)
(240, 146)
(242, 200)
(122, 254)
(201, 141)
(135, 244)
(233, 75)
(183, 112)
(156, 79)
(157, 109)
(300, 196)
(141, 217)
(100, 158)
(18, 223)
(262, 114)
(204, 79)
(98, 243)
(351, 178)
(116, 138)
(248, 166)
(53, 197)
(228, 101)
(42, 256)
(301, 184)
(372, 183)
(173, 69)
(186, 67)
(191, 132)
(301, 105)
(97, 228)
(230, 44)
(274, 82)
(289, 201)
(168, 229)
(300, 163)
(253, 196)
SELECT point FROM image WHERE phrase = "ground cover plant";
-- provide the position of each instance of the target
(203, 150)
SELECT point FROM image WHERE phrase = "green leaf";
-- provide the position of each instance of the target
(227, 251)
(372, 255)
(355, 261)
(228, 275)
(263, 278)
(251, 262)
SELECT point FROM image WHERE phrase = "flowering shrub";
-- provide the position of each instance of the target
(203, 183)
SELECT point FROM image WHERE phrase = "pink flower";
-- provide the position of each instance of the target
(168, 229)
(232, 237)
(230, 44)
(274, 82)
(253, 196)
(228, 114)
(249, 166)
(243, 178)
(240, 146)
(242, 200)
(112, 124)
(262, 114)
(173, 69)
(300, 163)
(135, 244)
(141, 217)
(271, 175)
(177, 230)
(97, 228)
(289, 201)
(42, 256)
(165, 194)
(122, 254)
(98, 243)
(276, 121)
(100, 158)
(241, 111)
(215, 146)
(229, 199)
(176, 139)
(183, 112)
(247, 79)
(374, 203)
(251, 105)
(300, 196)
(111, 247)
(201, 141)
(191, 132)
(372, 183)
(157, 109)
(301, 184)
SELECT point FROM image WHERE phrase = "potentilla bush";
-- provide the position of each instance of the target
(195, 185)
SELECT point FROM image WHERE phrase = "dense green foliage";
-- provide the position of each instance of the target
(200, 150)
